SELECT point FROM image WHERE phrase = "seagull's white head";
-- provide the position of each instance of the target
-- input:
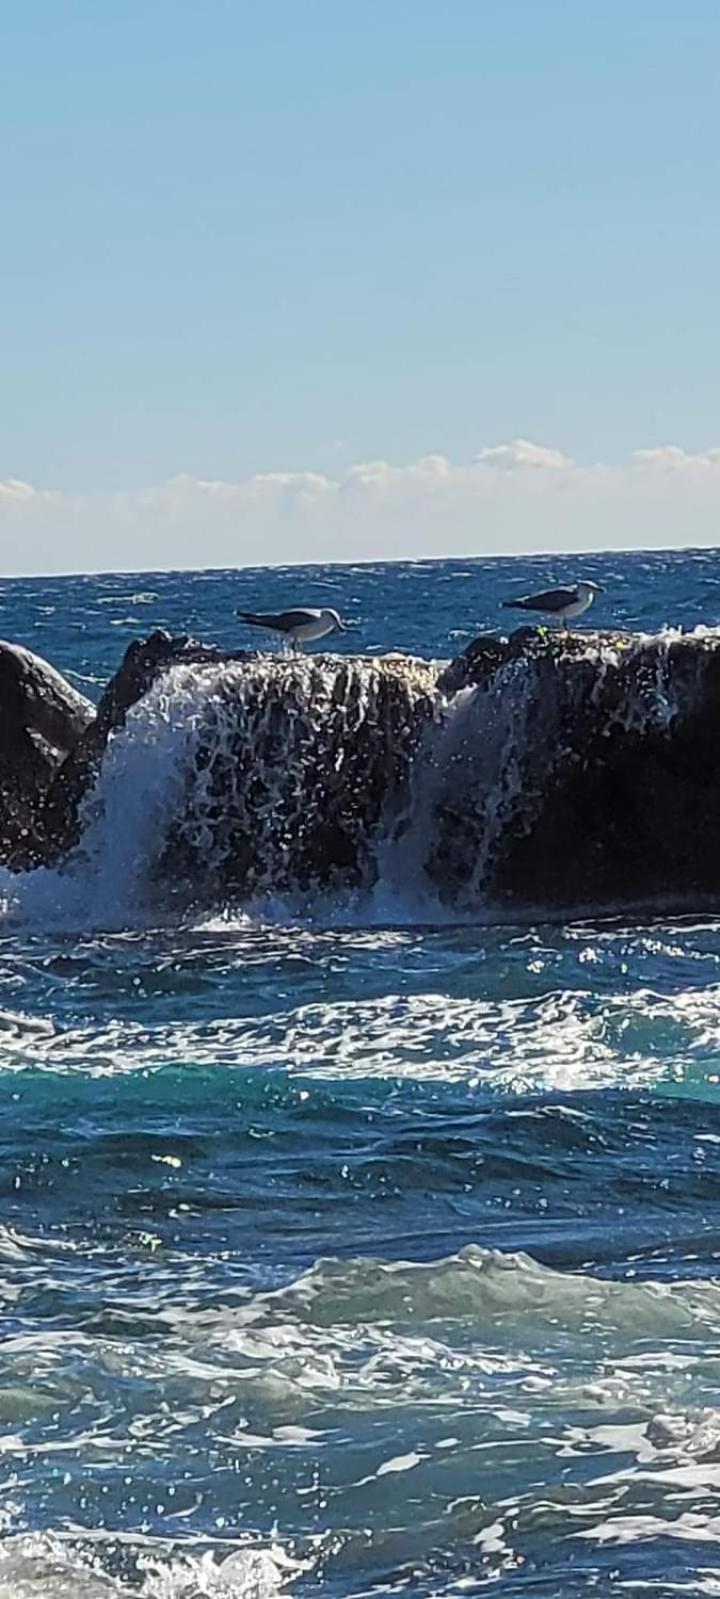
(332, 617)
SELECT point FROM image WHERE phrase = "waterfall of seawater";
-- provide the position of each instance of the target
(497, 751)
(297, 765)
(231, 782)
(107, 879)
(287, 776)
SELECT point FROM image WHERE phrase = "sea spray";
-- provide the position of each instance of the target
(284, 780)
(108, 880)
(568, 775)
(296, 768)
(467, 779)
(231, 781)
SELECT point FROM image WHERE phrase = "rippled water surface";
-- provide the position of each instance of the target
(346, 1252)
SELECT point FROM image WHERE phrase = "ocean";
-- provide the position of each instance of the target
(354, 1248)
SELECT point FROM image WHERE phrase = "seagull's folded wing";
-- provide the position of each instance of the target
(282, 621)
(549, 600)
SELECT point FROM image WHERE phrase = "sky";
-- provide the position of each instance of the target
(294, 280)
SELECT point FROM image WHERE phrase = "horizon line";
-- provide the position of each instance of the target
(419, 560)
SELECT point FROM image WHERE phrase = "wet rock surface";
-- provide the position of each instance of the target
(42, 717)
(577, 770)
(300, 764)
(589, 774)
(144, 661)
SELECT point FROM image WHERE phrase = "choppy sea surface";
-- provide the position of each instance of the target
(357, 1255)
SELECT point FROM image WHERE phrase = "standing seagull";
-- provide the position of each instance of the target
(300, 627)
(562, 603)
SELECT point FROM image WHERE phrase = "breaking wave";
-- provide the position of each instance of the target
(497, 1402)
(42, 1566)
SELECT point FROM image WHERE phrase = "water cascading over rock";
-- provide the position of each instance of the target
(231, 780)
(297, 764)
(577, 771)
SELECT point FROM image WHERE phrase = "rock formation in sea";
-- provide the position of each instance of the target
(41, 718)
(589, 772)
(143, 662)
(299, 765)
(544, 769)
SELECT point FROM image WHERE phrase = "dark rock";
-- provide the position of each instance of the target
(298, 767)
(583, 772)
(484, 655)
(143, 662)
(41, 719)
(589, 775)
(633, 810)
(476, 663)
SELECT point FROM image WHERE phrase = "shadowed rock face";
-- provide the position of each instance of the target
(587, 773)
(631, 809)
(41, 719)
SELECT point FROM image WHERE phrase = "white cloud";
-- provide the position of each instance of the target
(670, 457)
(510, 498)
(13, 489)
(379, 476)
(184, 495)
(521, 453)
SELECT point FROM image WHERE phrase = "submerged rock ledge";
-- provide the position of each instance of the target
(560, 770)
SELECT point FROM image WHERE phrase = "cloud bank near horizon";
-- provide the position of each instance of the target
(510, 499)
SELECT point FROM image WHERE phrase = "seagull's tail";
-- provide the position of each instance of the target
(251, 617)
(515, 605)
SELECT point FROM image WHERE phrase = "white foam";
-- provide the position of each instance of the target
(107, 880)
(47, 1566)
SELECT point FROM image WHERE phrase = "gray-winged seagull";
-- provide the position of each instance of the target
(302, 626)
(562, 603)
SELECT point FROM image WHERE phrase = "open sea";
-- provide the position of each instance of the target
(365, 1253)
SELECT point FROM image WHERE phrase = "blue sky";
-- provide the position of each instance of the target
(247, 239)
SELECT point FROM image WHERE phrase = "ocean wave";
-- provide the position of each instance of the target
(47, 1566)
(560, 1041)
(351, 1244)
(490, 1289)
(506, 1410)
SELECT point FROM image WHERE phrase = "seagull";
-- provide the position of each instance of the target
(301, 626)
(562, 603)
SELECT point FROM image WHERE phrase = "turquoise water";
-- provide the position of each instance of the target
(351, 1254)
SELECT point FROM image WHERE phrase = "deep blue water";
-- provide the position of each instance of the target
(358, 1258)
